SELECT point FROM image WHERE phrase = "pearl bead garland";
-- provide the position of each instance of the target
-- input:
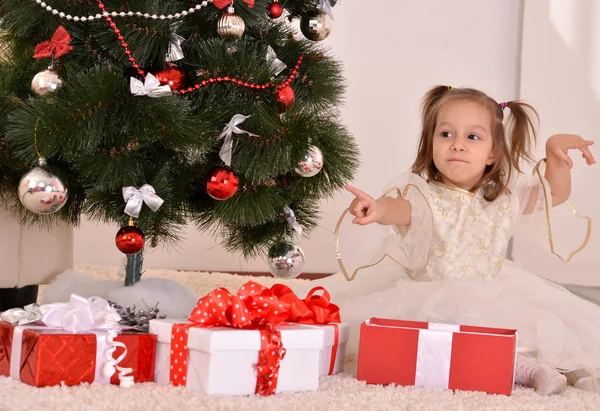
(105, 14)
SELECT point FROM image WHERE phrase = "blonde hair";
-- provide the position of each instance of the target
(509, 153)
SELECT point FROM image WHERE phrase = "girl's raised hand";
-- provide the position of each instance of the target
(363, 207)
(559, 145)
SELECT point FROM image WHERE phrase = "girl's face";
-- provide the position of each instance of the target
(463, 143)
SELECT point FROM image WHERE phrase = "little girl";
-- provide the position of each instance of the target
(448, 223)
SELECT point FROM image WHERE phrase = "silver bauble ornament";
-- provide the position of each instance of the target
(231, 26)
(316, 25)
(45, 82)
(41, 192)
(286, 260)
(312, 163)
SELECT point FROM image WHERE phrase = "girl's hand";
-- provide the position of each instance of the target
(558, 147)
(364, 207)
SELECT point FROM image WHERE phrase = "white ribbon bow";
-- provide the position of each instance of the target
(290, 217)
(21, 316)
(326, 6)
(175, 52)
(150, 87)
(232, 127)
(275, 65)
(135, 199)
(81, 314)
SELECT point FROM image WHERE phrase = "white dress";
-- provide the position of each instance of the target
(449, 266)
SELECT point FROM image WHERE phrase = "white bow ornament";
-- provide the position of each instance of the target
(150, 87)
(275, 65)
(175, 52)
(232, 127)
(136, 197)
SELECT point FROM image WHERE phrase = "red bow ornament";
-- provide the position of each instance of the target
(221, 4)
(253, 308)
(55, 47)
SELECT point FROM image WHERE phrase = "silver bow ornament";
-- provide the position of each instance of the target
(20, 316)
(231, 128)
(275, 65)
(327, 6)
(175, 52)
(150, 87)
(290, 217)
(136, 197)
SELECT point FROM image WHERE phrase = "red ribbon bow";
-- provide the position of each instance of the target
(221, 4)
(55, 47)
(254, 307)
(314, 309)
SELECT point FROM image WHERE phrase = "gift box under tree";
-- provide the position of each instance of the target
(448, 356)
(247, 343)
(76, 353)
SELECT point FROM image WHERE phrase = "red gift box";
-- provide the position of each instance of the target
(437, 355)
(53, 356)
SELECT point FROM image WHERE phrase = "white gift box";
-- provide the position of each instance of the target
(32, 255)
(329, 345)
(222, 360)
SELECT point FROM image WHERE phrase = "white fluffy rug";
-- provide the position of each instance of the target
(339, 392)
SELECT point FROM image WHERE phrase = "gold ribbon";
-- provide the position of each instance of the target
(548, 206)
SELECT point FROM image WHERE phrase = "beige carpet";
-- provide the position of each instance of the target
(340, 392)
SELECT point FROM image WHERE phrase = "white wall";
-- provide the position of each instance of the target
(561, 78)
(393, 52)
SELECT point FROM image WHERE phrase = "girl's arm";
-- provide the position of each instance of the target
(386, 210)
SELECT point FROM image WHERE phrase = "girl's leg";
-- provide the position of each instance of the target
(545, 380)
(18, 297)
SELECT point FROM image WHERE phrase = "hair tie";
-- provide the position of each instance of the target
(450, 88)
(503, 105)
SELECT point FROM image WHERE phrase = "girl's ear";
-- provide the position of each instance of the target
(492, 158)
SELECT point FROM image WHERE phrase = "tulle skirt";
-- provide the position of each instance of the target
(554, 325)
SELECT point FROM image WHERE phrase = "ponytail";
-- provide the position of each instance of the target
(521, 132)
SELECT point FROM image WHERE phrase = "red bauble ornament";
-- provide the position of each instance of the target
(285, 98)
(130, 240)
(171, 76)
(221, 183)
(275, 9)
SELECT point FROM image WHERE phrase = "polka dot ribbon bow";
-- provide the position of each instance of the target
(253, 308)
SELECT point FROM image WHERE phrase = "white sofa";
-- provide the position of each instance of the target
(31, 256)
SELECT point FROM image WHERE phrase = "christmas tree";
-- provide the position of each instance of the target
(153, 114)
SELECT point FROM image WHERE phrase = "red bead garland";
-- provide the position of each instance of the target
(125, 46)
(203, 83)
(243, 83)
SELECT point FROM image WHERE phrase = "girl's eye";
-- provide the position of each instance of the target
(474, 137)
(446, 134)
